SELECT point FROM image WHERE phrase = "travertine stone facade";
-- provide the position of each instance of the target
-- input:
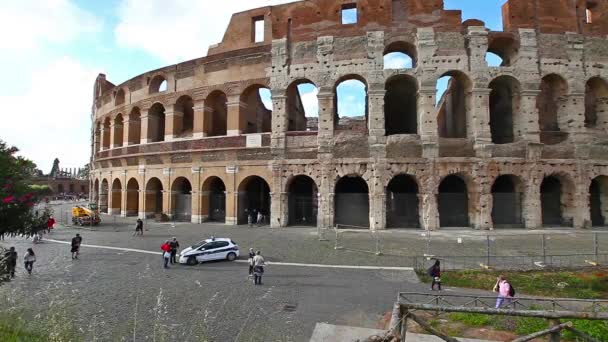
(522, 144)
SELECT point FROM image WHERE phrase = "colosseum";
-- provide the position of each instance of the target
(522, 144)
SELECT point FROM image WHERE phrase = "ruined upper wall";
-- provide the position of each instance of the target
(557, 16)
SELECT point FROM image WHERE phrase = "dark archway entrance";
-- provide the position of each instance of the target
(214, 200)
(302, 202)
(401, 105)
(254, 197)
(551, 206)
(154, 197)
(103, 196)
(181, 200)
(132, 197)
(598, 198)
(506, 199)
(351, 203)
(402, 203)
(453, 202)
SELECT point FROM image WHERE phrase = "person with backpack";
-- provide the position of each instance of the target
(435, 273)
(505, 291)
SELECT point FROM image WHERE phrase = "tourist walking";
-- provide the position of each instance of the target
(11, 261)
(260, 219)
(174, 244)
(139, 227)
(50, 223)
(29, 260)
(166, 248)
(250, 219)
(250, 261)
(505, 291)
(76, 242)
(435, 274)
(258, 268)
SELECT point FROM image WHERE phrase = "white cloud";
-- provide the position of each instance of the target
(310, 101)
(27, 24)
(397, 60)
(178, 30)
(52, 118)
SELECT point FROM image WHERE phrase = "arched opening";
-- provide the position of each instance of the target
(598, 201)
(302, 202)
(158, 84)
(71, 187)
(254, 113)
(453, 103)
(156, 123)
(116, 197)
(103, 196)
(401, 105)
(132, 197)
(254, 198)
(118, 131)
(154, 197)
(183, 121)
(453, 202)
(554, 90)
(556, 201)
(400, 55)
(181, 200)
(302, 106)
(134, 126)
(351, 202)
(213, 204)
(215, 121)
(402, 203)
(502, 50)
(60, 189)
(507, 202)
(106, 133)
(504, 107)
(119, 98)
(596, 103)
(351, 110)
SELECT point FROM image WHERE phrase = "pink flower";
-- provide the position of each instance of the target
(8, 199)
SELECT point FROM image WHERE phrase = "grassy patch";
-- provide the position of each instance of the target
(586, 284)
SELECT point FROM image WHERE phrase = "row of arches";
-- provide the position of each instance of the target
(351, 202)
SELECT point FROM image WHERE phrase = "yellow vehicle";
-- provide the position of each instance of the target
(84, 216)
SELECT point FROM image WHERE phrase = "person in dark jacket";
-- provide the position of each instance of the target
(174, 244)
(250, 261)
(76, 242)
(11, 261)
(435, 274)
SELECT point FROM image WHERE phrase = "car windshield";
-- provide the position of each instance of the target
(199, 244)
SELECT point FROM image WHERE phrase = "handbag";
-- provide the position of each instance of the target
(166, 255)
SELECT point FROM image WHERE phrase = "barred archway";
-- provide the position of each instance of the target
(351, 202)
(453, 202)
(302, 202)
(213, 205)
(402, 203)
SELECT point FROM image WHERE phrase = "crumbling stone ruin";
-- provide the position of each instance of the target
(522, 144)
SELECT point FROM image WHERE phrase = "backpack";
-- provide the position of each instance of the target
(511, 291)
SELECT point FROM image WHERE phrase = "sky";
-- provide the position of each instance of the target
(52, 51)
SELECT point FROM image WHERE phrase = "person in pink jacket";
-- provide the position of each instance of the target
(504, 291)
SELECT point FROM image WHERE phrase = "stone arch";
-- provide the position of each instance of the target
(216, 114)
(598, 201)
(119, 97)
(347, 112)
(213, 199)
(254, 198)
(402, 203)
(557, 195)
(507, 199)
(454, 104)
(156, 122)
(183, 121)
(107, 126)
(504, 46)
(351, 202)
(103, 196)
(400, 55)
(132, 197)
(255, 114)
(118, 131)
(158, 84)
(116, 197)
(134, 134)
(302, 201)
(181, 199)
(504, 109)
(453, 202)
(553, 94)
(401, 105)
(297, 93)
(154, 197)
(596, 103)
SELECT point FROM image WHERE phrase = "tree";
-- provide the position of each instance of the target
(84, 172)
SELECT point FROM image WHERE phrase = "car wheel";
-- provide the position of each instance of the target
(231, 257)
(191, 261)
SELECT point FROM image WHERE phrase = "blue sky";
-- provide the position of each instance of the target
(54, 49)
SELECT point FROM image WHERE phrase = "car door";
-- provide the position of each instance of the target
(204, 252)
(220, 250)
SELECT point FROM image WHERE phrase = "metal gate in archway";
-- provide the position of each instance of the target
(183, 207)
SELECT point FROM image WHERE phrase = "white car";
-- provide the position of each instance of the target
(210, 249)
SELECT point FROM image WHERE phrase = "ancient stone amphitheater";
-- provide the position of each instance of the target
(522, 144)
